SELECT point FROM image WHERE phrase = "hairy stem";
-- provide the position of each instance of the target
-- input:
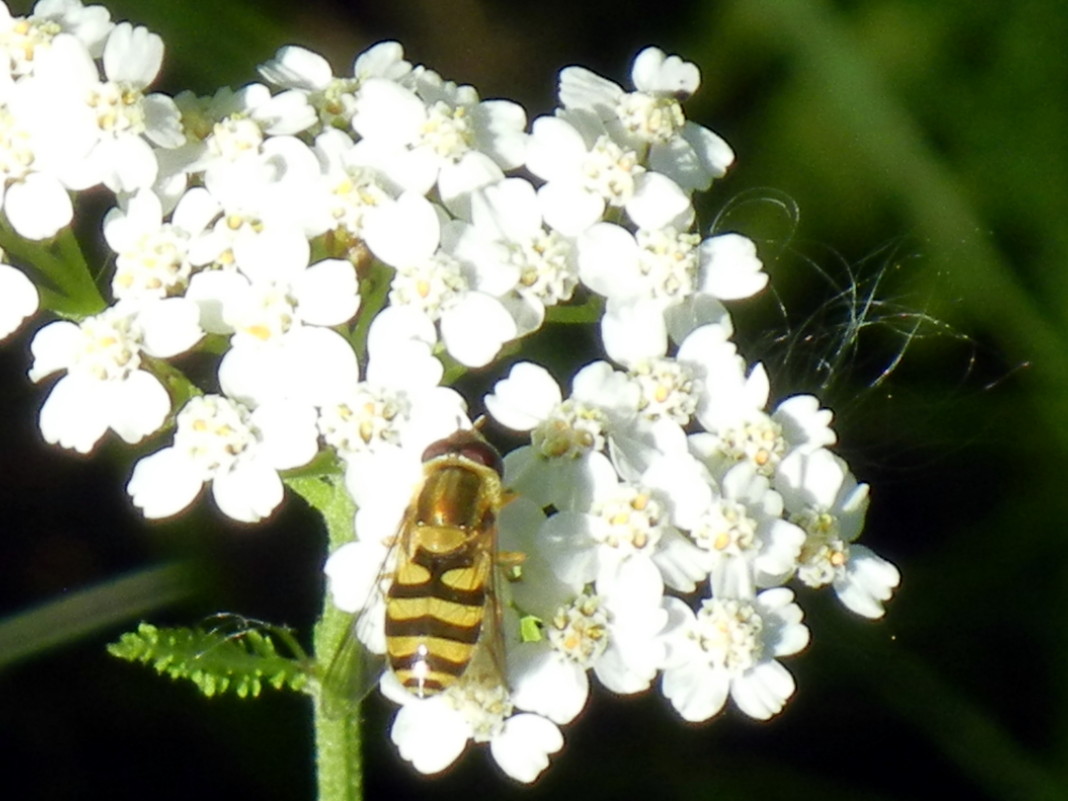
(337, 738)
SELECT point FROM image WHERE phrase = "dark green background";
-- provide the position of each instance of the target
(915, 149)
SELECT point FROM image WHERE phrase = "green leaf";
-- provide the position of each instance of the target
(530, 629)
(218, 661)
(328, 496)
(589, 311)
(59, 269)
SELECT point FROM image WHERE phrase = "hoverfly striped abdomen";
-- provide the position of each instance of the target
(436, 607)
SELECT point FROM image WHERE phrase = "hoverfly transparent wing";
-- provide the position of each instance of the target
(488, 667)
(355, 669)
(489, 663)
(352, 674)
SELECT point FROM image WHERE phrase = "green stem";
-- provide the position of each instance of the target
(337, 739)
(374, 292)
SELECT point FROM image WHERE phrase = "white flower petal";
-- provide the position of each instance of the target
(275, 254)
(631, 671)
(556, 149)
(762, 691)
(475, 329)
(730, 268)
(75, 414)
(163, 121)
(792, 638)
(778, 558)
(385, 59)
(381, 484)
(805, 422)
(195, 211)
(658, 202)
(213, 291)
(499, 128)
(249, 492)
(633, 331)
(404, 232)
(522, 749)
(352, 571)
(397, 324)
(528, 474)
(509, 209)
(132, 55)
(608, 261)
(567, 543)
(131, 219)
(694, 312)
(407, 364)
(681, 563)
(38, 206)
(290, 436)
(18, 299)
(312, 366)
(598, 384)
(429, 734)
(137, 406)
(581, 88)
(54, 348)
(297, 68)
(569, 208)
(545, 682)
(458, 181)
(573, 483)
(525, 398)
(633, 581)
(388, 112)
(868, 581)
(713, 152)
(126, 163)
(170, 326)
(327, 293)
(696, 692)
(658, 73)
(164, 483)
(284, 114)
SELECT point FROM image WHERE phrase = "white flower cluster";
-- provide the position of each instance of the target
(74, 112)
(671, 477)
(396, 215)
(663, 476)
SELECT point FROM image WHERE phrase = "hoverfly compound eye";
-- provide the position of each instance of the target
(483, 453)
(469, 445)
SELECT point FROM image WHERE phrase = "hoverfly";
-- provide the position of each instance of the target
(442, 614)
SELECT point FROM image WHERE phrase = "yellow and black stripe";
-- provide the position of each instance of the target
(434, 616)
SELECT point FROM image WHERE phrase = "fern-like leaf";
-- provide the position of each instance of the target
(217, 662)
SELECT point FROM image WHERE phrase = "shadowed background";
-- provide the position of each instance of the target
(913, 150)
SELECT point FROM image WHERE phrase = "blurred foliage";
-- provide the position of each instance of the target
(914, 149)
